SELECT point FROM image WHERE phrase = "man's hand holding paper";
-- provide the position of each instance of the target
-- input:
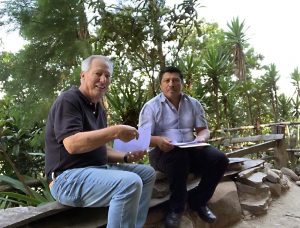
(140, 144)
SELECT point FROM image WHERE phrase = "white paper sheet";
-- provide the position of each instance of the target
(190, 144)
(142, 143)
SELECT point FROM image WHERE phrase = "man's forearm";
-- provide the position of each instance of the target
(203, 135)
(83, 142)
(115, 156)
(154, 141)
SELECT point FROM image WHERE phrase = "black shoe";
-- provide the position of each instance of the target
(206, 214)
(173, 220)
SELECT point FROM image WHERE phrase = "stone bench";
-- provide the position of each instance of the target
(56, 215)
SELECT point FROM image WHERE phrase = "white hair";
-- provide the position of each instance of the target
(86, 63)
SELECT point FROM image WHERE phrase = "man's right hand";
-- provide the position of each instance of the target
(165, 144)
(127, 133)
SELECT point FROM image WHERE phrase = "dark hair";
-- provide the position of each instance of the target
(170, 69)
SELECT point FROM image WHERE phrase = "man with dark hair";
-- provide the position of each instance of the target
(83, 171)
(174, 116)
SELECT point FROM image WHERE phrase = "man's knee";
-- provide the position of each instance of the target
(131, 184)
(224, 161)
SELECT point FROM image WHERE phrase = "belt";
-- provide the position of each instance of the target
(53, 176)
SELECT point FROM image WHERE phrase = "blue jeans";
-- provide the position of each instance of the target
(125, 188)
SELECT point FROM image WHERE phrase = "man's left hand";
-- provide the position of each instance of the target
(135, 156)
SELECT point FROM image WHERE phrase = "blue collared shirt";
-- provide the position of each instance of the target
(166, 120)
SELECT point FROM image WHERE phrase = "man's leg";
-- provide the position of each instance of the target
(211, 164)
(147, 174)
(175, 165)
(98, 187)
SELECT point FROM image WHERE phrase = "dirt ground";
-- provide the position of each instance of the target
(284, 212)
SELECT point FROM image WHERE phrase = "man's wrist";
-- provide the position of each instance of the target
(125, 158)
(200, 139)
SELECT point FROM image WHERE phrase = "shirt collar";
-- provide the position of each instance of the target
(86, 99)
(164, 99)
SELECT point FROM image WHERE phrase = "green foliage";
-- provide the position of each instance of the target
(24, 148)
(295, 100)
(126, 97)
(285, 108)
(143, 32)
(21, 197)
(57, 36)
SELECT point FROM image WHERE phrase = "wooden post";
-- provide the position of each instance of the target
(278, 129)
(291, 153)
(280, 154)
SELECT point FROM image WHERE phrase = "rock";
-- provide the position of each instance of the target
(160, 189)
(290, 173)
(285, 183)
(298, 183)
(15, 216)
(254, 198)
(235, 166)
(156, 217)
(226, 205)
(197, 222)
(268, 165)
(256, 207)
(160, 176)
(248, 172)
(275, 189)
(255, 179)
(278, 172)
(297, 170)
(261, 191)
(186, 221)
(272, 176)
(248, 215)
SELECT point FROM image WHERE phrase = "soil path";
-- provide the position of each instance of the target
(284, 212)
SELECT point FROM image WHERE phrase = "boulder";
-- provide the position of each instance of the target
(226, 205)
(297, 170)
(290, 174)
(275, 189)
(272, 176)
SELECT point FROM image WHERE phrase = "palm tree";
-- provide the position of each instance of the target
(295, 76)
(285, 107)
(236, 39)
(215, 64)
(270, 80)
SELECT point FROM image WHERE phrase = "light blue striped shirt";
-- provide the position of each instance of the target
(166, 120)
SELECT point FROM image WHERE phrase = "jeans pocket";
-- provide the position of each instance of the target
(67, 191)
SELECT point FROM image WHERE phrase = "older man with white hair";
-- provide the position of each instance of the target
(83, 171)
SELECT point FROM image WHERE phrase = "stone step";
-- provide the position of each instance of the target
(256, 207)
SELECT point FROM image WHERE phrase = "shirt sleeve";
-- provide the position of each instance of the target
(200, 120)
(147, 117)
(67, 120)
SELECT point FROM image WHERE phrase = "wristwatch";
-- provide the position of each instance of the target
(126, 158)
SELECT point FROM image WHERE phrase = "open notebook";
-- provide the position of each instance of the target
(190, 144)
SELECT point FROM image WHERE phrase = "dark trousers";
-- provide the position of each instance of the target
(206, 161)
